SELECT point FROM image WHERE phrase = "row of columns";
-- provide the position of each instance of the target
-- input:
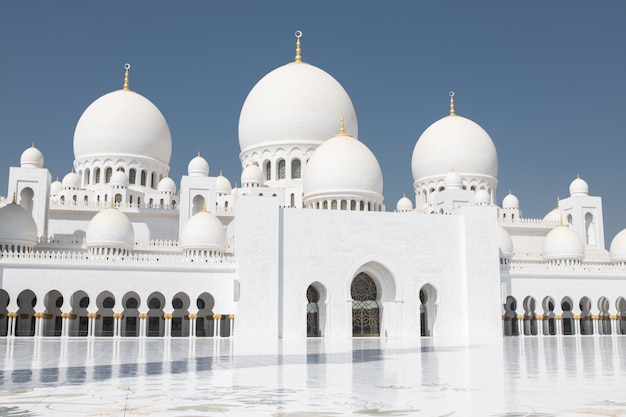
(617, 324)
(40, 324)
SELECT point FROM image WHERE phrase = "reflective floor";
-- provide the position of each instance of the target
(538, 376)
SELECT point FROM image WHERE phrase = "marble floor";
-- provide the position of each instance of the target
(520, 376)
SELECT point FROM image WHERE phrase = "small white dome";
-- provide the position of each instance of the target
(618, 247)
(252, 175)
(71, 181)
(110, 228)
(510, 202)
(119, 179)
(505, 243)
(123, 123)
(554, 216)
(563, 243)
(454, 141)
(222, 185)
(404, 204)
(167, 186)
(17, 226)
(453, 181)
(342, 166)
(578, 187)
(204, 231)
(56, 187)
(294, 104)
(482, 197)
(31, 158)
(198, 167)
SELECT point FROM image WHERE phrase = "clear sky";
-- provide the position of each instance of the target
(546, 79)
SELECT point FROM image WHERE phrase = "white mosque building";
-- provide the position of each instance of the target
(305, 247)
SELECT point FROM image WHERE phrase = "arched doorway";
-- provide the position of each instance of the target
(180, 315)
(567, 317)
(620, 305)
(53, 301)
(365, 307)
(130, 323)
(604, 325)
(530, 318)
(428, 309)
(106, 324)
(156, 302)
(510, 317)
(549, 318)
(25, 325)
(312, 312)
(586, 322)
(204, 321)
(79, 301)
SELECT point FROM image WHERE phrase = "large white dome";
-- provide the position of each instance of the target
(123, 123)
(454, 142)
(618, 247)
(204, 231)
(31, 158)
(110, 228)
(17, 226)
(343, 166)
(563, 243)
(297, 103)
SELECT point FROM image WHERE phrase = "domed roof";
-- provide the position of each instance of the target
(342, 165)
(578, 187)
(198, 167)
(167, 185)
(505, 243)
(293, 104)
(510, 202)
(222, 185)
(123, 123)
(454, 142)
(56, 187)
(204, 231)
(31, 158)
(119, 179)
(563, 243)
(453, 181)
(618, 247)
(404, 204)
(110, 228)
(17, 226)
(252, 174)
(71, 181)
(553, 216)
(482, 197)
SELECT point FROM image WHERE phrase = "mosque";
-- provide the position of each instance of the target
(305, 246)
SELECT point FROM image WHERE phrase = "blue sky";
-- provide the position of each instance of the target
(544, 79)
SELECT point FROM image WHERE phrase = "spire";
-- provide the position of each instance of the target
(298, 50)
(452, 113)
(126, 67)
(14, 198)
(342, 128)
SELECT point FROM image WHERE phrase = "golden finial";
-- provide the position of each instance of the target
(126, 67)
(221, 173)
(452, 113)
(33, 145)
(342, 126)
(14, 198)
(198, 153)
(298, 50)
(112, 203)
(204, 206)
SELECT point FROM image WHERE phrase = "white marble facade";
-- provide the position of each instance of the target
(305, 247)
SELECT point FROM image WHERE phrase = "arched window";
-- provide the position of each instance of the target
(510, 317)
(365, 309)
(281, 169)
(268, 170)
(132, 176)
(567, 317)
(87, 173)
(107, 175)
(143, 178)
(153, 181)
(428, 309)
(295, 169)
(96, 176)
(590, 229)
(118, 198)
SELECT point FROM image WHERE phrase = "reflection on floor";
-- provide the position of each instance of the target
(533, 376)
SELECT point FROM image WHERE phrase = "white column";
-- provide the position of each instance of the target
(217, 319)
(11, 324)
(168, 325)
(192, 325)
(232, 324)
